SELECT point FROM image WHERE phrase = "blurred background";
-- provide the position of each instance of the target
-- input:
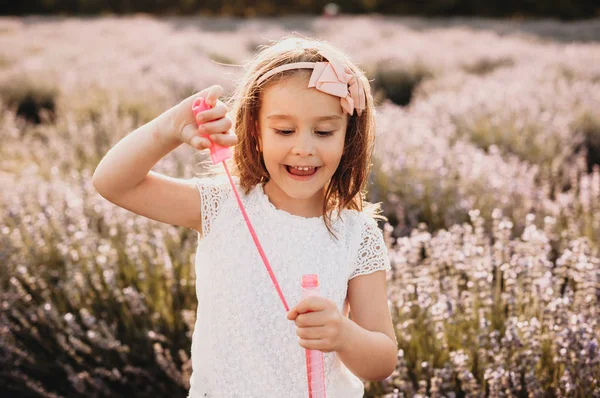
(576, 9)
(487, 165)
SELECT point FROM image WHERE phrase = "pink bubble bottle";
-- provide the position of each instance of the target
(217, 153)
(315, 367)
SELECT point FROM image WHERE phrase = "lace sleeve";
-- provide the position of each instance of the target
(372, 253)
(212, 192)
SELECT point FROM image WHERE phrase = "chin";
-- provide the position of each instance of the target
(301, 192)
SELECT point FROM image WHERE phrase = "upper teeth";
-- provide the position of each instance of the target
(303, 168)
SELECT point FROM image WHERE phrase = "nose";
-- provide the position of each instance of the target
(304, 144)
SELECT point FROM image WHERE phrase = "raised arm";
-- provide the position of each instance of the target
(123, 176)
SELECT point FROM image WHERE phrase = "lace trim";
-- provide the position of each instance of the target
(372, 254)
(212, 192)
(292, 217)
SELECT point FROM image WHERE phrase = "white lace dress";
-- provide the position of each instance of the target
(243, 345)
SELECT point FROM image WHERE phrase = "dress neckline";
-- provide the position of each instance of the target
(265, 200)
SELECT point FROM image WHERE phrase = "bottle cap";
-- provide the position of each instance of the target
(310, 280)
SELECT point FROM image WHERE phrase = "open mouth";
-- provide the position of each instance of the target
(301, 172)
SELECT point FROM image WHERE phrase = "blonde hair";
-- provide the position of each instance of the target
(347, 188)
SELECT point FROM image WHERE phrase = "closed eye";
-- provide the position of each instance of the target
(283, 132)
(325, 133)
(320, 133)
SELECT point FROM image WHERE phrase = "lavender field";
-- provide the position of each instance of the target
(487, 162)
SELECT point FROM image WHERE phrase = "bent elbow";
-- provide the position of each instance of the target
(97, 184)
(393, 363)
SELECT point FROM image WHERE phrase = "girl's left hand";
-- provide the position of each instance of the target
(320, 324)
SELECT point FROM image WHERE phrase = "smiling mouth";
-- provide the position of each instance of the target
(301, 171)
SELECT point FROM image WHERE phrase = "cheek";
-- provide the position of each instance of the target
(334, 152)
(270, 154)
(272, 158)
(271, 143)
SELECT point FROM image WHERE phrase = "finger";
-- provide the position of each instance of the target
(188, 133)
(302, 307)
(294, 312)
(218, 126)
(200, 143)
(190, 100)
(312, 319)
(224, 139)
(214, 92)
(309, 304)
(312, 333)
(314, 344)
(211, 114)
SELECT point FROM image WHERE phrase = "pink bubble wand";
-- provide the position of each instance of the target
(315, 366)
(314, 358)
(220, 154)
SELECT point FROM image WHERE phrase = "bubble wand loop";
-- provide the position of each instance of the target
(315, 369)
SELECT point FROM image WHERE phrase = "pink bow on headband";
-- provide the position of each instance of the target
(331, 77)
(335, 78)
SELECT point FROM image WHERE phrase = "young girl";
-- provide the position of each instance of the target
(304, 130)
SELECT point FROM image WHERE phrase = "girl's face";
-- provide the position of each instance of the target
(300, 126)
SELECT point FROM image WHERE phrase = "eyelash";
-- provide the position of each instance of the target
(286, 132)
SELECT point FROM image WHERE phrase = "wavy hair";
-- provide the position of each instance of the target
(347, 187)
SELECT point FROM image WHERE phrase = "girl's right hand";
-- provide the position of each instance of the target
(214, 121)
